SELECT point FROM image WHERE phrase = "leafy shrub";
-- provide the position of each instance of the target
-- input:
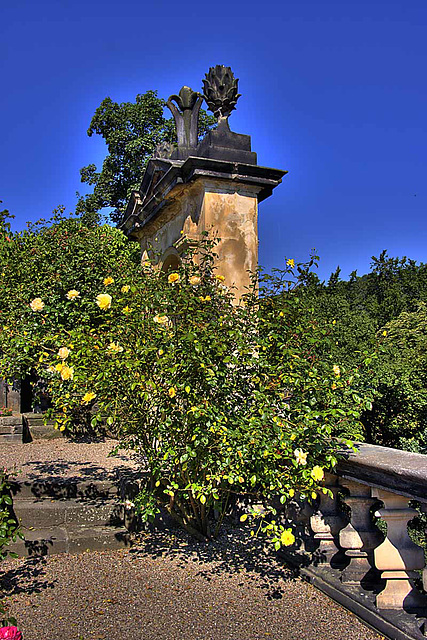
(9, 532)
(219, 399)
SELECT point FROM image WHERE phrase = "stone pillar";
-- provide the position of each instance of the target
(179, 202)
(327, 521)
(398, 557)
(360, 537)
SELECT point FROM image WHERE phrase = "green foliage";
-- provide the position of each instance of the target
(9, 532)
(131, 131)
(218, 399)
(45, 266)
(400, 412)
(361, 309)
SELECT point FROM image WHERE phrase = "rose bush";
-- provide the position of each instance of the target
(220, 400)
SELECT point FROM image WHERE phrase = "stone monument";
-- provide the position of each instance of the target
(211, 186)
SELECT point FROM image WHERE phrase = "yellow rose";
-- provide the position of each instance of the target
(161, 318)
(290, 262)
(113, 346)
(103, 300)
(317, 473)
(287, 538)
(37, 304)
(173, 278)
(108, 281)
(301, 456)
(194, 280)
(67, 372)
(63, 353)
(125, 288)
(88, 396)
(59, 367)
(172, 392)
(72, 294)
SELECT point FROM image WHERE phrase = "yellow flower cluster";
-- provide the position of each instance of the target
(336, 370)
(103, 300)
(37, 304)
(317, 473)
(88, 397)
(194, 281)
(290, 263)
(72, 294)
(287, 538)
(114, 347)
(301, 456)
(63, 353)
(125, 288)
(205, 299)
(66, 372)
(173, 278)
(161, 318)
(108, 281)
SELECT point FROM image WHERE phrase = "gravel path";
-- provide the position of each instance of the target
(167, 586)
(65, 459)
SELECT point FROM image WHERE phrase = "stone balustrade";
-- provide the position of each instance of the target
(376, 571)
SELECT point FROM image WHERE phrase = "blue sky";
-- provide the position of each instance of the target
(332, 91)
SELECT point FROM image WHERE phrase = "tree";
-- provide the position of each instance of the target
(131, 132)
(399, 416)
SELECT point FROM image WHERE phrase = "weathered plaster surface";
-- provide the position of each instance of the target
(226, 210)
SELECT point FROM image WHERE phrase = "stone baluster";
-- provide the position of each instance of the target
(327, 521)
(398, 557)
(360, 537)
(424, 510)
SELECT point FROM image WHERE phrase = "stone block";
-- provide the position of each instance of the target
(10, 438)
(97, 538)
(40, 431)
(41, 542)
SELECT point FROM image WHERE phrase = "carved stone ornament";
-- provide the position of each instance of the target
(163, 150)
(186, 116)
(220, 91)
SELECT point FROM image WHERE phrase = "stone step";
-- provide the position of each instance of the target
(14, 428)
(57, 488)
(44, 514)
(10, 438)
(70, 514)
(71, 539)
(39, 429)
(44, 432)
(11, 421)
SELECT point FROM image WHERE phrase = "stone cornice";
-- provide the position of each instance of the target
(162, 177)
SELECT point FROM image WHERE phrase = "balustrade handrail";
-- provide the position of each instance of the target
(394, 470)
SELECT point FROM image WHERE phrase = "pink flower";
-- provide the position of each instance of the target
(10, 633)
